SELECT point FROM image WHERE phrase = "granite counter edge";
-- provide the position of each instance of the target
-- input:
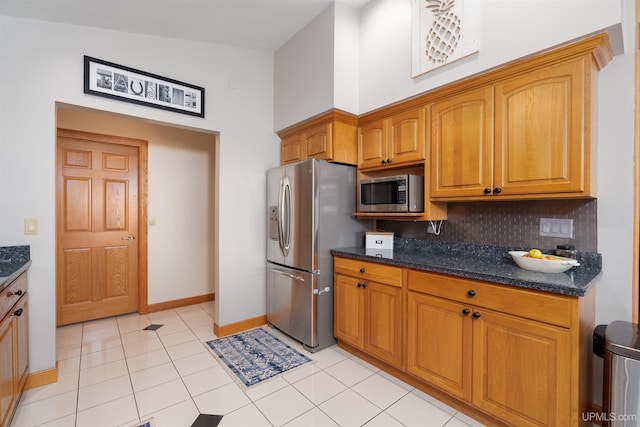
(7, 280)
(521, 283)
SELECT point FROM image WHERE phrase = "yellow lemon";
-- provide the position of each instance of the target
(535, 253)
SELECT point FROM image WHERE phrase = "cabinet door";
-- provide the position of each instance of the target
(293, 149)
(462, 144)
(348, 322)
(540, 144)
(383, 322)
(521, 370)
(22, 337)
(407, 141)
(372, 144)
(320, 142)
(439, 343)
(7, 368)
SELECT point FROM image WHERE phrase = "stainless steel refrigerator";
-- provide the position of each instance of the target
(309, 212)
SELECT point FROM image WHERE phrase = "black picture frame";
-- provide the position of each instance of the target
(109, 80)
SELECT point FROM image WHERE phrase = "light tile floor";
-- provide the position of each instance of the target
(113, 373)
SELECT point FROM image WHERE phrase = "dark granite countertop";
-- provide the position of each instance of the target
(14, 260)
(483, 262)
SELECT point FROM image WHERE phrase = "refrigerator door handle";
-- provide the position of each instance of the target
(285, 215)
(293, 276)
(281, 217)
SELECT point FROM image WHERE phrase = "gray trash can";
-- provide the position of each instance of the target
(621, 386)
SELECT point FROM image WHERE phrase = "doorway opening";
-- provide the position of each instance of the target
(181, 203)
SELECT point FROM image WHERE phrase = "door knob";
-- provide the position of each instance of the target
(128, 238)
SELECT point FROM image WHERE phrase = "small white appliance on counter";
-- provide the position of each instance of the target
(379, 244)
(309, 212)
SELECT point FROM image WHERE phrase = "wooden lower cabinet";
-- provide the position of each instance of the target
(521, 370)
(368, 315)
(14, 347)
(502, 354)
(439, 343)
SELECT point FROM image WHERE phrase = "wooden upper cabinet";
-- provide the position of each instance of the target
(293, 149)
(392, 141)
(520, 135)
(526, 137)
(372, 144)
(462, 144)
(407, 141)
(542, 121)
(320, 142)
(331, 136)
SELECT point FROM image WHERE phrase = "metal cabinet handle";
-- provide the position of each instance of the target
(18, 312)
(476, 315)
(18, 293)
(497, 190)
(471, 293)
(466, 312)
(362, 270)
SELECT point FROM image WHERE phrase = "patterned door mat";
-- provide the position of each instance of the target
(255, 356)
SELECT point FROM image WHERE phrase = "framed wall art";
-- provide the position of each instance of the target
(109, 80)
(442, 31)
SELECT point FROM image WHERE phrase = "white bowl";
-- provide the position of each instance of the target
(548, 263)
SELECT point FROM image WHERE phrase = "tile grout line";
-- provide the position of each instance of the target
(126, 362)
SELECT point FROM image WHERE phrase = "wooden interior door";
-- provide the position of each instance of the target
(97, 226)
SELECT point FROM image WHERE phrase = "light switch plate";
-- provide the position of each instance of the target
(556, 227)
(31, 226)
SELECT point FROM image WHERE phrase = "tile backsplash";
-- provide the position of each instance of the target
(512, 223)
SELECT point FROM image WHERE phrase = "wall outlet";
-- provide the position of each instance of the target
(556, 227)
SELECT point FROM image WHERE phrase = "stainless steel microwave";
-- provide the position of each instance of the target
(398, 193)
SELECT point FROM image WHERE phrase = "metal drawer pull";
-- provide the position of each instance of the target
(293, 276)
(18, 312)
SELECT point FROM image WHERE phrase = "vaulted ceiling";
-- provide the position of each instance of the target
(261, 24)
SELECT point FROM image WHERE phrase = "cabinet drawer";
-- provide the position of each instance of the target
(386, 274)
(11, 294)
(541, 306)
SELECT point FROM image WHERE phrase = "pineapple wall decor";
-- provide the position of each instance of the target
(443, 31)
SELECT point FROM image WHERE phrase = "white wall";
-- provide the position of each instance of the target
(615, 178)
(42, 63)
(510, 29)
(346, 48)
(303, 85)
(318, 68)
